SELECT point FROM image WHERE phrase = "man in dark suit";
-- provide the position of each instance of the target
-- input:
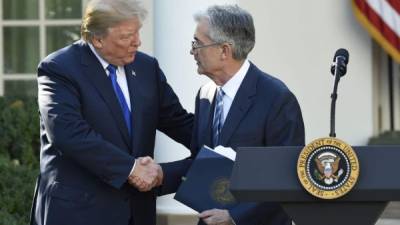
(243, 106)
(100, 103)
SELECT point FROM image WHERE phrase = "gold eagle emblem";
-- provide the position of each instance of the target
(220, 192)
(328, 167)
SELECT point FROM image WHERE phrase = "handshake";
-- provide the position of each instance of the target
(146, 175)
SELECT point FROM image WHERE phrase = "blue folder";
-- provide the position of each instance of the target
(206, 185)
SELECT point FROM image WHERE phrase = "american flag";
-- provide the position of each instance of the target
(381, 18)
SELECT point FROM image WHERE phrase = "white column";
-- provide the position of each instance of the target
(173, 31)
(147, 31)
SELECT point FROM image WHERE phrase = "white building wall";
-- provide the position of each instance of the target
(147, 31)
(296, 41)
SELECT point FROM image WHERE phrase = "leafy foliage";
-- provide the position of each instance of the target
(386, 138)
(19, 158)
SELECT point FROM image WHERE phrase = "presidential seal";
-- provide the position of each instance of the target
(220, 192)
(328, 168)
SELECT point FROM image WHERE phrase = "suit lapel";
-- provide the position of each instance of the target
(205, 113)
(98, 77)
(136, 103)
(241, 104)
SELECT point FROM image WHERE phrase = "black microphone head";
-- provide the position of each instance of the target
(343, 53)
(340, 61)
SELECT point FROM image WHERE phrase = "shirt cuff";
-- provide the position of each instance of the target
(233, 222)
(133, 167)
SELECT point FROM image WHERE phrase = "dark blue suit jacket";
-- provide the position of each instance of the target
(86, 151)
(263, 113)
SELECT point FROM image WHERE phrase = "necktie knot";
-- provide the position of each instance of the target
(220, 95)
(218, 116)
(112, 69)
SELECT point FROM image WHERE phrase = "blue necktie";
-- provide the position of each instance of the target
(218, 116)
(121, 99)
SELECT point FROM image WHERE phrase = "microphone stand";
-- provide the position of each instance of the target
(334, 97)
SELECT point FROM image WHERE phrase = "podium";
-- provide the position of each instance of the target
(269, 174)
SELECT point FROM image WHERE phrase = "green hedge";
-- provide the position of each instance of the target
(386, 138)
(19, 158)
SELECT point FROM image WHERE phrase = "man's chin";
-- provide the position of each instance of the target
(199, 70)
(130, 59)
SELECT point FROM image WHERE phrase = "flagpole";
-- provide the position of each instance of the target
(391, 97)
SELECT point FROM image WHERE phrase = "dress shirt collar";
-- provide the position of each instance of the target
(103, 62)
(231, 87)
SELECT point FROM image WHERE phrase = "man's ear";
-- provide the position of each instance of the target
(97, 42)
(226, 51)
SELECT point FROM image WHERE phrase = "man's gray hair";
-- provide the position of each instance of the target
(103, 14)
(230, 23)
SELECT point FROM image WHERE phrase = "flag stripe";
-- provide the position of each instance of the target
(386, 13)
(395, 5)
(376, 21)
(382, 33)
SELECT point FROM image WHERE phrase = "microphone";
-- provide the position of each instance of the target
(340, 61)
(338, 69)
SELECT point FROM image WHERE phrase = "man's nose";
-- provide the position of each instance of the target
(192, 51)
(136, 41)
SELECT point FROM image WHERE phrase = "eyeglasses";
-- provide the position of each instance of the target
(196, 45)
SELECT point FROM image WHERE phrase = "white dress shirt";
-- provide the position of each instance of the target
(231, 87)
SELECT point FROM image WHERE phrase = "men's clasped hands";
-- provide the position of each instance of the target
(146, 174)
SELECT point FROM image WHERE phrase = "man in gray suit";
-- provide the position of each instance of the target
(242, 106)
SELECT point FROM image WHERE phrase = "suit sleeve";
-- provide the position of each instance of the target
(176, 123)
(284, 127)
(174, 171)
(69, 132)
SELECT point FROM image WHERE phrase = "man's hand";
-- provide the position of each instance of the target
(160, 176)
(216, 217)
(146, 174)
